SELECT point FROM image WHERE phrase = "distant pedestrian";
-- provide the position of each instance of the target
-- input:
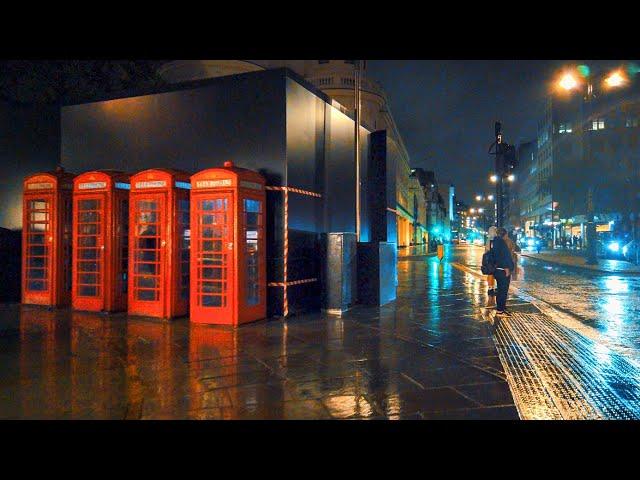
(504, 268)
(491, 234)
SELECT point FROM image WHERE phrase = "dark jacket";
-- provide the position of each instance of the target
(502, 254)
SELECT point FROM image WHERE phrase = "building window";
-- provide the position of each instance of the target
(323, 61)
(597, 124)
(350, 62)
(631, 122)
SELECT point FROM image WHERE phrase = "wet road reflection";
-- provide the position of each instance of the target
(427, 355)
(609, 303)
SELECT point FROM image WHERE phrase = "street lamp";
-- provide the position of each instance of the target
(511, 177)
(493, 178)
(568, 82)
(615, 79)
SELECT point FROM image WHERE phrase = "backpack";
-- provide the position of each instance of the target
(488, 263)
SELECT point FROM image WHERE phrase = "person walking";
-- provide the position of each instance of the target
(491, 234)
(504, 267)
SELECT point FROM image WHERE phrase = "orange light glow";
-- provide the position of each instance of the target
(616, 79)
(568, 82)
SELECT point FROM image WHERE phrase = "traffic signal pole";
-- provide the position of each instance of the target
(499, 164)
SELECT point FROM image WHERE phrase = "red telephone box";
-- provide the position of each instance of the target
(159, 243)
(228, 277)
(46, 239)
(100, 241)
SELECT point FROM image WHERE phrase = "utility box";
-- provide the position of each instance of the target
(228, 257)
(159, 243)
(100, 241)
(377, 272)
(340, 287)
(46, 239)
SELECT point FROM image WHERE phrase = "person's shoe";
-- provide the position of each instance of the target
(502, 313)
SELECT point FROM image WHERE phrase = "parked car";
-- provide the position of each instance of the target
(531, 244)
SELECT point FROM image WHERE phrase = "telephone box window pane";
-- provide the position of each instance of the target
(147, 230)
(36, 239)
(39, 217)
(36, 273)
(88, 253)
(89, 229)
(38, 227)
(147, 217)
(37, 251)
(253, 220)
(147, 282)
(38, 205)
(88, 291)
(91, 241)
(88, 279)
(147, 295)
(88, 267)
(37, 285)
(89, 217)
(147, 268)
(88, 204)
(36, 262)
(212, 273)
(211, 301)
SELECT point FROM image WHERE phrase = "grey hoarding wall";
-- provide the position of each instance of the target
(238, 118)
(29, 143)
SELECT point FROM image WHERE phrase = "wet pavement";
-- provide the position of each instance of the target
(429, 355)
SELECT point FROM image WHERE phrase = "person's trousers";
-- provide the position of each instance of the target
(503, 289)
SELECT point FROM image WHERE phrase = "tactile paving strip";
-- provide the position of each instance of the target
(557, 373)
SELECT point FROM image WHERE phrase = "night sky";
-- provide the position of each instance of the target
(446, 109)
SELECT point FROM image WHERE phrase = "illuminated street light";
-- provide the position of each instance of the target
(568, 82)
(490, 197)
(616, 79)
(472, 210)
(478, 197)
(480, 210)
(494, 178)
(511, 177)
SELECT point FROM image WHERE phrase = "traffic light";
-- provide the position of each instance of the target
(510, 159)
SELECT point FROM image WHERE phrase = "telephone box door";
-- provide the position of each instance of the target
(213, 262)
(39, 240)
(149, 234)
(89, 250)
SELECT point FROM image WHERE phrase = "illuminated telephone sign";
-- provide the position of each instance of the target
(228, 277)
(46, 239)
(100, 241)
(159, 243)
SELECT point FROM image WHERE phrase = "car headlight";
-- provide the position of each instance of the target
(614, 246)
(531, 242)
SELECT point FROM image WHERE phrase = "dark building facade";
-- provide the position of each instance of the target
(270, 121)
(585, 143)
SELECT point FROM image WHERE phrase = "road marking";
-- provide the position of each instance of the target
(415, 382)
